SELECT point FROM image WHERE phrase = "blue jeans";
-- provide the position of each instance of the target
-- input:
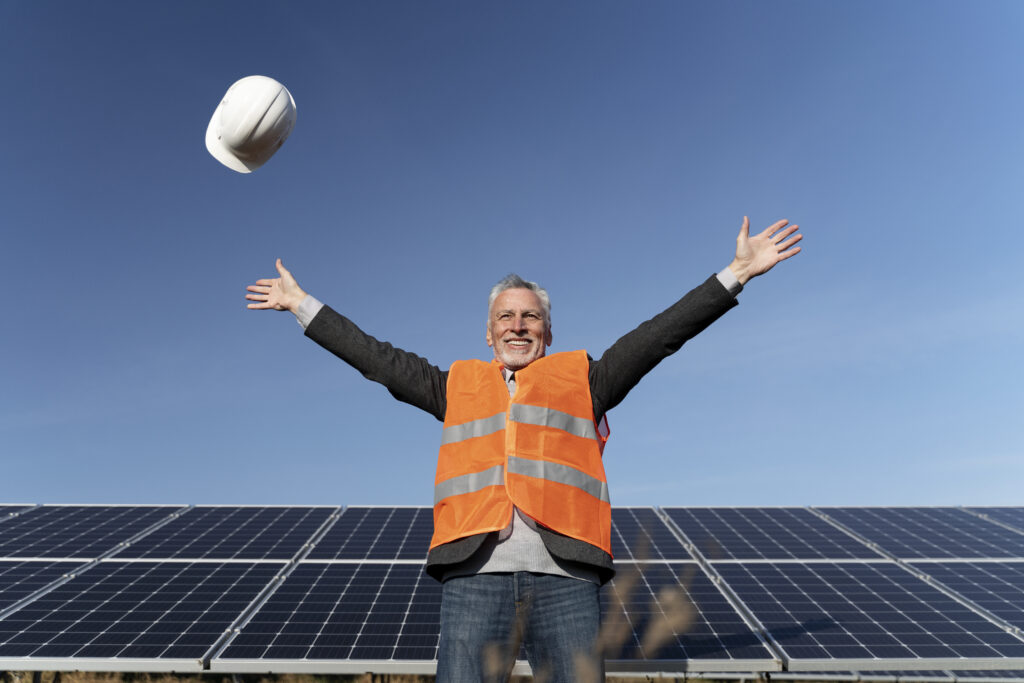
(485, 617)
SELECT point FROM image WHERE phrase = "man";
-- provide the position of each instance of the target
(522, 516)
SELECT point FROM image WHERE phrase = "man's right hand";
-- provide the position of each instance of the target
(279, 293)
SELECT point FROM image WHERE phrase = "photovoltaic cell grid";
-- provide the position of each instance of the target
(676, 614)
(842, 604)
(75, 531)
(341, 611)
(866, 616)
(225, 533)
(765, 533)
(7, 511)
(403, 533)
(135, 610)
(1012, 516)
(996, 586)
(352, 611)
(18, 580)
(638, 533)
(910, 533)
(377, 533)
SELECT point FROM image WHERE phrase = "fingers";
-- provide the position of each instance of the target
(777, 225)
(782, 256)
(281, 269)
(789, 243)
(775, 239)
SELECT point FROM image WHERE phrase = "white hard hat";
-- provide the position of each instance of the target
(252, 121)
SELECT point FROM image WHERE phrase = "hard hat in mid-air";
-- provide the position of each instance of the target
(252, 121)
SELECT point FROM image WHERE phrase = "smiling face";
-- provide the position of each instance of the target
(517, 329)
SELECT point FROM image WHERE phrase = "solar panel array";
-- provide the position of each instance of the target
(925, 593)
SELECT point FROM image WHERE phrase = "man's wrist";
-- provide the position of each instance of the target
(739, 271)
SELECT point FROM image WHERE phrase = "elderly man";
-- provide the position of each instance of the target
(522, 518)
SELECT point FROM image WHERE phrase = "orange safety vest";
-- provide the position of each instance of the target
(539, 450)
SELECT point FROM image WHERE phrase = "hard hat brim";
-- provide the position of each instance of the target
(220, 151)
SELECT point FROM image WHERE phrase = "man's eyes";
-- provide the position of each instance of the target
(505, 316)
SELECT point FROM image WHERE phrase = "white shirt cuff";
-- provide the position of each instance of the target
(729, 281)
(308, 309)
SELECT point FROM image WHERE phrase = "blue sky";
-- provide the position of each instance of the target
(608, 150)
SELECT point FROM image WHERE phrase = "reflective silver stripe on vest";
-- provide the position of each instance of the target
(473, 428)
(562, 474)
(468, 483)
(549, 417)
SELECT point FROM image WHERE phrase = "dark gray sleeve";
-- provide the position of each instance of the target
(625, 363)
(408, 377)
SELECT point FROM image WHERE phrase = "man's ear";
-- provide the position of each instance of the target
(487, 336)
(547, 336)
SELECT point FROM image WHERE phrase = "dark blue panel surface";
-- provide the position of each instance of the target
(226, 533)
(1014, 516)
(79, 531)
(863, 611)
(766, 533)
(7, 511)
(673, 612)
(638, 533)
(995, 586)
(326, 611)
(21, 579)
(930, 532)
(377, 533)
(133, 610)
(350, 611)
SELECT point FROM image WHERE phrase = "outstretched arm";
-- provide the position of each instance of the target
(408, 377)
(758, 254)
(279, 293)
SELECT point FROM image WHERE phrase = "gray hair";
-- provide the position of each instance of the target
(513, 281)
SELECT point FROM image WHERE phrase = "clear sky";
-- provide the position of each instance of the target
(608, 150)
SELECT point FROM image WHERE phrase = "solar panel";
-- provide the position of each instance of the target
(360, 601)
(638, 533)
(377, 533)
(75, 531)
(867, 616)
(8, 511)
(339, 612)
(225, 533)
(170, 611)
(1014, 516)
(18, 580)
(995, 586)
(765, 533)
(930, 532)
(345, 614)
(678, 618)
(403, 533)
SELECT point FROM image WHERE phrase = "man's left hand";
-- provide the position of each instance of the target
(758, 254)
